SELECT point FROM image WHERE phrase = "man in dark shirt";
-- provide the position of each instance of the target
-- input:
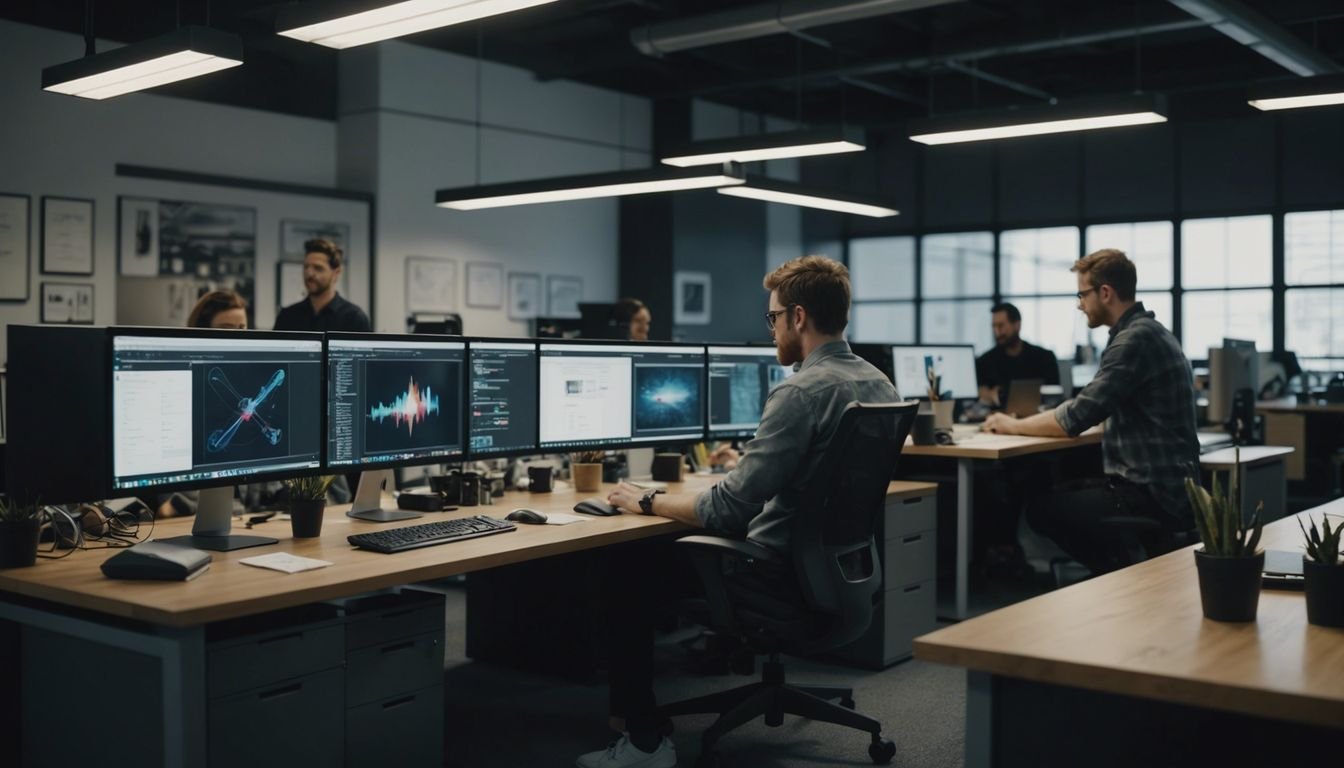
(324, 309)
(1011, 359)
(1144, 391)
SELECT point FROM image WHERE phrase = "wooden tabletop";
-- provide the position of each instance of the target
(230, 589)
(1250, 456)
(974, 444)
(1290, 404)
(1140, 632)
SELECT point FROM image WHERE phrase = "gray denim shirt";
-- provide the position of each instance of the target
(758, 498)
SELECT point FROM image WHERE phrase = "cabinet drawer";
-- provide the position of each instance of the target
(283, 725)
(405, 731)
(274, 656)
(383, 618)
(909, 559)
(908, 612)
(906, 516)
(380, 671)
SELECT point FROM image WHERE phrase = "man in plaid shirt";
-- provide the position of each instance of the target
(1145, 392)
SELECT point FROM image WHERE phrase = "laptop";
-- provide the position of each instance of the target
(1024, 398)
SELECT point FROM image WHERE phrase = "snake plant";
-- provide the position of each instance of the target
(1322, 546)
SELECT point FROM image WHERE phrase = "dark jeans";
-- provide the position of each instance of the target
(1074, 518)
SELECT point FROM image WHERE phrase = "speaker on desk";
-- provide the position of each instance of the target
(667, 467)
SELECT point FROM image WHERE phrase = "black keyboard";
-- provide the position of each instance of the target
(429, 534)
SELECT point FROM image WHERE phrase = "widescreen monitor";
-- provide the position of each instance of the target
(502, 398)
(604, 395)
(954, 366)
(740, 379)
(1232, 367)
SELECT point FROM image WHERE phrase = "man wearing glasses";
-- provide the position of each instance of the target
(1144, 391)
(809, 309)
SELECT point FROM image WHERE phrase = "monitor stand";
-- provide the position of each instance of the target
(369, 497)
(214, 520)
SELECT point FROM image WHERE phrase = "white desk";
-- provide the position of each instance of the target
(1261, 474)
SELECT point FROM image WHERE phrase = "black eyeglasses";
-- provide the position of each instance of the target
(770, 316)
(1081, 294)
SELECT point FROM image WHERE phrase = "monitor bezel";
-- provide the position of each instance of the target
(115, 331)
(925, 393)
(535, 448)
(730, 434)
(423, 338)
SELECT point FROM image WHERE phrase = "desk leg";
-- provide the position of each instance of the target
(979, 719)
(965, 504)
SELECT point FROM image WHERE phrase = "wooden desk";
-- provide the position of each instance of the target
(1140, 633)
(974, 445)
(1290, 405)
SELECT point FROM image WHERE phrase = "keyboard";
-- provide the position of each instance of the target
(429, 534)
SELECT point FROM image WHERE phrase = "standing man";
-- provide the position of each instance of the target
(1011, 359)
(324, 309)
(1145, 392)
(809, 309)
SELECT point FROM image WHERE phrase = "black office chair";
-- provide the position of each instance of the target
(839, 578)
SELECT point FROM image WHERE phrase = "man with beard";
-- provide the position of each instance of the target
(1145, 393)
(324, 309)
(809, 309)
(1011, 359)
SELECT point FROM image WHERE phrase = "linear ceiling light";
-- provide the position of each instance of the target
(185, 53)
(768, 146)
(789, 193)
(589, 186)
(351, 23)
(1035, 121)
(1293, 94)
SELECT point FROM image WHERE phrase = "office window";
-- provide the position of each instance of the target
(1033, 262)
(1313, 248)
(1313, 255)
(1227, 253)
(958, 322)
(1052, 322)
(1148, 244)
(890, 321)
(882, 281)
(1312, 324)
(959, 265)
(1210, 316)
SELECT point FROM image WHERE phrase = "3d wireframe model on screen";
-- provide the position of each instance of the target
(245, 408)
(411, 407)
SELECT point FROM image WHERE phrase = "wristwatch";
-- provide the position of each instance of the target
(646, 501)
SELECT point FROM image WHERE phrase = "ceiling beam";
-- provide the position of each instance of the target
(1261, 35)
(1003, 82)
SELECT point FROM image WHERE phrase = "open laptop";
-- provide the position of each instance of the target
(1024, 398)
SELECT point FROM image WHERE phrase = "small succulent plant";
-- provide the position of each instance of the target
(1322, 545)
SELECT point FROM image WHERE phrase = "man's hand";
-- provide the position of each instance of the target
(626, 497)
(1001, 423)
(725, 456)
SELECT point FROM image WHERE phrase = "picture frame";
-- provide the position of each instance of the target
(563, 294)
(67, 235)
(691, 298)
(295, 232)
(485, 285)
(524, 295)
(67, 303)
(16, 232)
(289, 286)
(137, 237)
(431, 284)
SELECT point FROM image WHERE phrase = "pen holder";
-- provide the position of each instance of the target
(587, 477)
(667, 467)
(470, 489)
(942, 413)
(923, 431)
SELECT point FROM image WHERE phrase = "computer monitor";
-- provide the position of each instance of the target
(195, 408)
(608, 395)
(502, 398)
(1232, 367)
(876, 355)
(392, 401)
(740, 379)
(954, 365)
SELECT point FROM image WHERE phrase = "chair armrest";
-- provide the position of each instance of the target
(730, 547)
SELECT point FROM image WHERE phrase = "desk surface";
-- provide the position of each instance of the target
(974, 444)
(1290, 405)
(230, 589)
(1140, 632)
(1250, 456)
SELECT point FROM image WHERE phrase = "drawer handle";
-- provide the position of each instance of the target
(281, 638)
(912, 539)
(915, 588)
(278, 692)
(398, 702)
(399, 647)
(915, 500)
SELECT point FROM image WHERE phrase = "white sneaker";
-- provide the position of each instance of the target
(622, 754)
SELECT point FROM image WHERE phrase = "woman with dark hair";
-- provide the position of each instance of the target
(635, 316)
(219, 309)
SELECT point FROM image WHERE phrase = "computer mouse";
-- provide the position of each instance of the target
(530, 516)
(596, 507)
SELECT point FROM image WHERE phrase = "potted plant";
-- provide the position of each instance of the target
(1324, 574)
(20, 525)
(307, 504)
(1229, 565)
(585, 468)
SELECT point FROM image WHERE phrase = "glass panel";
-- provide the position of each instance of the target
(1314, 322)
(1159, 303)
(1035, 261)
(1313, 248)
(1210, 316)
(958, 265)
(892, 322)
(1148, 244)
(958, 322)
(1226, 253)
(1053, 323)
(882, 268)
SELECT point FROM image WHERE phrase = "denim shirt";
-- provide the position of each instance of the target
(758, 498)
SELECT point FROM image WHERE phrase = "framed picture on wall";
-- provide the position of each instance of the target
(563, 294)
(67, 303)
(431, 284)
(485, 285)
(524, 295)
(295, 232)
(289, 287)
(67, 236)
(137, 237)
(690, 295)
(15, 234)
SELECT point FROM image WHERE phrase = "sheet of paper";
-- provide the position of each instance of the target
(283, 561)
(564, 518)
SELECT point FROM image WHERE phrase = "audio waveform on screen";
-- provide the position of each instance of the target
(246, 408)
(411, 407)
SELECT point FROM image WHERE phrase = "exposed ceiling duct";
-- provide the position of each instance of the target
(1260, 35)
(761, 21)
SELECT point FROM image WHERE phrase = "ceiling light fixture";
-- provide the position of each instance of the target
(1034, 121)
(185, 53)
(1298, 93)
(768, 146)
(351, 23)
(790, 193)
(612, 184)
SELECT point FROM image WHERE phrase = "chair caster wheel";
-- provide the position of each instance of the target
(881, 751)
(847, 703)
(711, 760)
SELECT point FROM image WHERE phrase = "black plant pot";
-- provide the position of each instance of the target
(1325, 593)
(305, 517)
(18, 542)
(1229, 587)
